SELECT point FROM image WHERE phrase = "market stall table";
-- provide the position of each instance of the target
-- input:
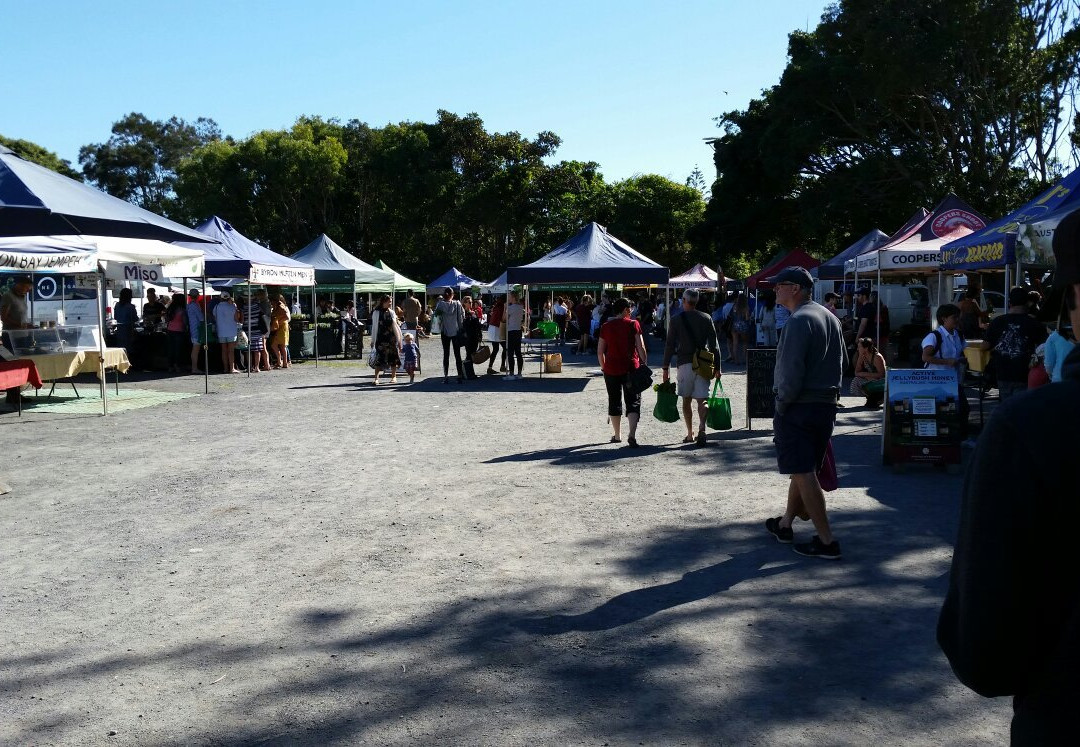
(537, 345)
(65, 366)
(16, 374)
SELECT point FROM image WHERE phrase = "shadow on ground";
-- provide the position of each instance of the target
(826, 645)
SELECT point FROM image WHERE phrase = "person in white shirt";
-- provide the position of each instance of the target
(943, 348)
(515, 320)
(560, 313)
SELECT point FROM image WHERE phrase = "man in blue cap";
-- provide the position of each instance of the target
(809, 369)
(1010, 624)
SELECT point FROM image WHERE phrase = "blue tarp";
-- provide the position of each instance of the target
(452, 278)
(591, 255)
(334, 265)
(995, 245)
(834, 268)
(35, 201)
(237, 256)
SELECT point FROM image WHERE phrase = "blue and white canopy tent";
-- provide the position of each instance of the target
(452, 278)
(996, 246)
(916, 248)
(236, 256)
(36, 201)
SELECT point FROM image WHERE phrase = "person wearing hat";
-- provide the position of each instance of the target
(15, 314)
(690, 332)
(195, 328)
(807, 378)
(1010, 624)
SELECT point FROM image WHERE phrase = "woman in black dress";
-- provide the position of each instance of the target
(387, 340)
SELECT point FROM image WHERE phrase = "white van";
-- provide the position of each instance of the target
(908, 304)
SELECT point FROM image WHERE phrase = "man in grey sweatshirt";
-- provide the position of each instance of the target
(809, 368)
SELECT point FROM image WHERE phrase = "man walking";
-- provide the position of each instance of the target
(411, 309)
(690, 332)
(1010, 624)
(809, 368)
(1011, 339)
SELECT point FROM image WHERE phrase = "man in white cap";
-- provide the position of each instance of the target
(691, 333)
(809, 369)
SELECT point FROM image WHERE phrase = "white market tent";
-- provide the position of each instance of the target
(917, 247)
(699, 277)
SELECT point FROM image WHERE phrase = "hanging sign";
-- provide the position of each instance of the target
(279, 275)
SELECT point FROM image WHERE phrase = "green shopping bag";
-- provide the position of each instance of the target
(667, 403)
(719, 417)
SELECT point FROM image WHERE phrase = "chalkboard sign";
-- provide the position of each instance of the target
(354, 344)
(760, 399)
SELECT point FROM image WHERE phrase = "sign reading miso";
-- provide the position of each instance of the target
(760, 399)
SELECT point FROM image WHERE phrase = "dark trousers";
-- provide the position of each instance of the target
(179, 349)
(560, 322)
(513, 346)
(495, 351)
(618, 390)
(446, 343)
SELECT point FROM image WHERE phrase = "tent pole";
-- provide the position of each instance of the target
(315, 345)
(877, 314)
(101, 343)
(940, 291)
(206, 336)
(247, 315)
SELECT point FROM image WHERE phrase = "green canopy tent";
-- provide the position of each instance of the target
(401, 283)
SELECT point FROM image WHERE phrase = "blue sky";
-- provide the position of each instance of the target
(632, 85)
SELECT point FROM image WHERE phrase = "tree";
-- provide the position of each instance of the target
(280, 188)
(654, 215)
(886, 107)
(139, 161)
(37, 154)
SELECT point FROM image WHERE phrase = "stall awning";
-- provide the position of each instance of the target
(995, 245)
(591, 255)
(59, 254)
(237, 256)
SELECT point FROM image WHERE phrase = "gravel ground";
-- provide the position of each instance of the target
(304, 558)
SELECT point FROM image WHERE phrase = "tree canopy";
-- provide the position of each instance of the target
(37, 154)
(888, 106)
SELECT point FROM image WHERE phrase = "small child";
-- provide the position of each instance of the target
(410, 356)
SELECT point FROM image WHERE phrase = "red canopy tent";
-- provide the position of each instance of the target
(796, 257)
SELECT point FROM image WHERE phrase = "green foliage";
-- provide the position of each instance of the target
(138, 163)
(36, 154)
(886, 107)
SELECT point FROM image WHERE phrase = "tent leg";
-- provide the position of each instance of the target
(101, 345)
(877, 314)
(248, 316)
(206, 338)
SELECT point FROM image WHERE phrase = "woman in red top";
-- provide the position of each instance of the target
(494, 336)
(620, 349)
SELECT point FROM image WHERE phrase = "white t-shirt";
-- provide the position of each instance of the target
(558, 309)
(952, 346)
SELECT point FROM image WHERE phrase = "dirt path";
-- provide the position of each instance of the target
(304, 558)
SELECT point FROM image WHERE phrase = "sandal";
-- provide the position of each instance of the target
(688, 440)
(615, 440)
(700, 440)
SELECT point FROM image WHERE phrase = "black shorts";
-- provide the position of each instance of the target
(801, 436)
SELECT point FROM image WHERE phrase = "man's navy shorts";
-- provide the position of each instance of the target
(801, 436)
